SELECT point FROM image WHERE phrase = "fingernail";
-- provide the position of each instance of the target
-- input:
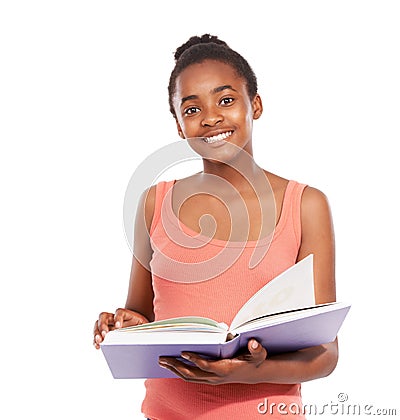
(103, 333)
(97, 338)
(254, 345)
(186, 356)
(117, 324)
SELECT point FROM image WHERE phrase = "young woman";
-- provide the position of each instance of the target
(213, 98)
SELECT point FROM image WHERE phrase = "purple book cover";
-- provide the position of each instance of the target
(141, 360)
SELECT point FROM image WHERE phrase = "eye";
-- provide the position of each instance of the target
(226, 101)
(191, 110)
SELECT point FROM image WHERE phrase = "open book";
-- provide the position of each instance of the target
(282, 316)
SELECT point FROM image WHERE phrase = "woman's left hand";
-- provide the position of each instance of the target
(240, 369)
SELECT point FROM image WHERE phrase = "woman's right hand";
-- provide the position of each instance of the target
(108, 321)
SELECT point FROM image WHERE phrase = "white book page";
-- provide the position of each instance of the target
(188, 322)
(165, 337)
(288, 316)
(292, 289)
(187, 330)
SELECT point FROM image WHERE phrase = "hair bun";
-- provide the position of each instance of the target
(196, 40)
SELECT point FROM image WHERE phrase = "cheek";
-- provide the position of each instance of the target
(250, 119)
(188, 127)
(244, 113)
(182, 123)
(245, 116)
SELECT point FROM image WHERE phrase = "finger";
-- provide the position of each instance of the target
(125, 317)
(168, 363)
(96, 328)
(173, 370)
(188, 377)
(187, 372)
(217, 369)
(202, 363)
(105, 322)
(97, 336)
(97, 339)
(257, 351)
(119, 317)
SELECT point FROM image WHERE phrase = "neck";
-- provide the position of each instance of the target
(241, 172)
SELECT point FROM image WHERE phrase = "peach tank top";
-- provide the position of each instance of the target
(195, 275)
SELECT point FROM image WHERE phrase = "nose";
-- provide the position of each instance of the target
(211, 117)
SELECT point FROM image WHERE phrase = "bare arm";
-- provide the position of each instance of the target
(139, 303)
(140, 292)
(318, 239)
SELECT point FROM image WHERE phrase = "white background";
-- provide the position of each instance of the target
(83, 97)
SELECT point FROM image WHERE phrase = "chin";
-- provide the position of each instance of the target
(221, 151)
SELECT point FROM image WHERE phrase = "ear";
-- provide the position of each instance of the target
(257, 107)
(180, 132)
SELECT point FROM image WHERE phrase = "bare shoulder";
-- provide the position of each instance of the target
(314, 202)
(147, 205)
(316, 225)
(149, 197)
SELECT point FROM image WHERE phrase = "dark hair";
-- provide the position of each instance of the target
(207, 47)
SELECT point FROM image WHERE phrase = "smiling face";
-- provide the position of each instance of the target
(211, 101)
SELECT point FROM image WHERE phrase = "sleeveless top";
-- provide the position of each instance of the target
(202, 276)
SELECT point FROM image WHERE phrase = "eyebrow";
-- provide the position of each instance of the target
(215, 90)
(221, 88)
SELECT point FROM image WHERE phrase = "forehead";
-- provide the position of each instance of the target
(206, 76)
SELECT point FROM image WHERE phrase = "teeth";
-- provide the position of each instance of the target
(219, 137)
